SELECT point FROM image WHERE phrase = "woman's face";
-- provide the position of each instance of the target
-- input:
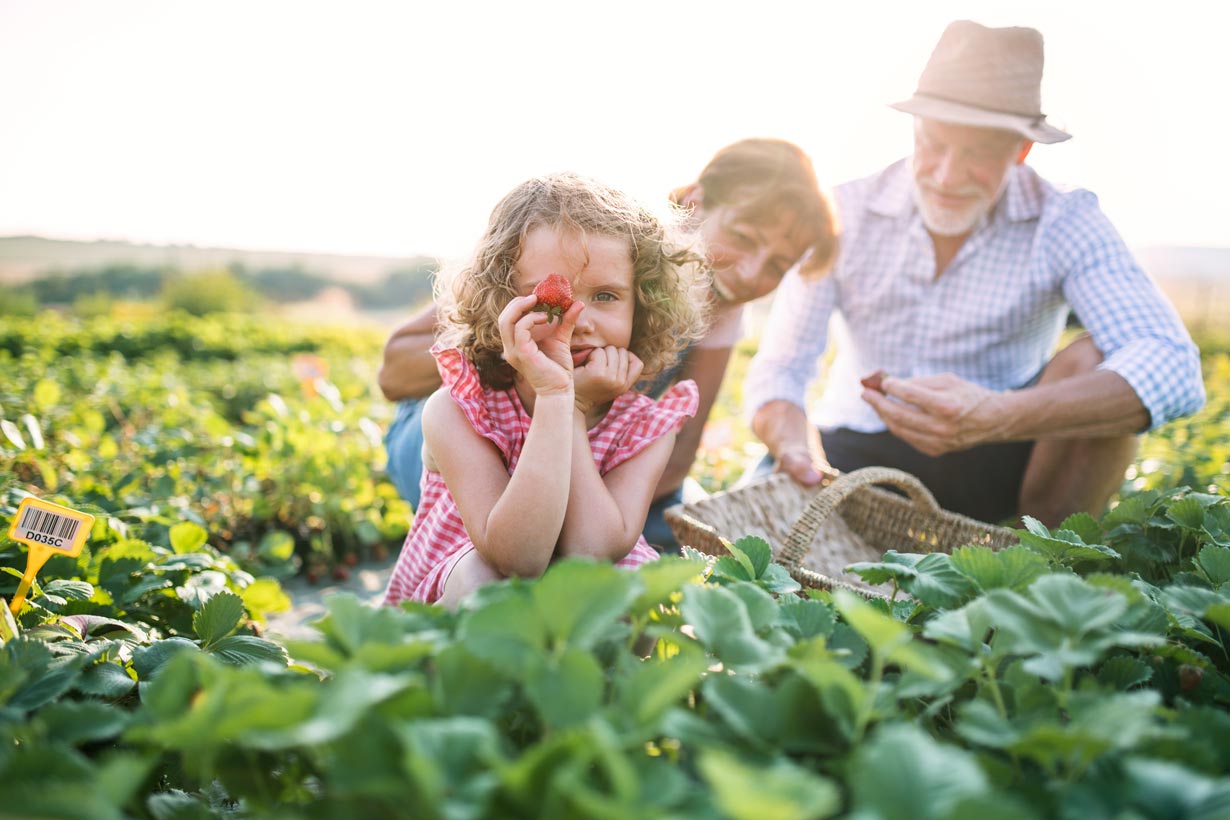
(748, 258)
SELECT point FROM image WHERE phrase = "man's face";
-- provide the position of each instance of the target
(959, 172)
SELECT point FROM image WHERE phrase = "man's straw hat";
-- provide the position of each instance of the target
(989, 77)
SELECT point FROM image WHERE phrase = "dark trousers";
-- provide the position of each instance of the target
(982, 482)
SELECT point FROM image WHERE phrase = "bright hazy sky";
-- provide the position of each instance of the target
(394, 127)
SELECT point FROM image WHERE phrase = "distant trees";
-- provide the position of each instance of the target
(235, 287)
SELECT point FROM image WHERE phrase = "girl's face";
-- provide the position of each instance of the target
(600, 270)
(748, 258)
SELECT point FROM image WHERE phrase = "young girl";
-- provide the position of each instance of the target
(536, 446)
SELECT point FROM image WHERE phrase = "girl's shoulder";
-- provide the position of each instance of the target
(493, 414)
(636, 420)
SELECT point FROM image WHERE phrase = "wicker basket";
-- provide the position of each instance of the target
(816, 532)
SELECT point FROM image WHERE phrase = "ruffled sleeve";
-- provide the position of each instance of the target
(461, 380)
(644, 421)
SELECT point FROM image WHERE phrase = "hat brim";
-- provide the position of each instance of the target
(1036, 129)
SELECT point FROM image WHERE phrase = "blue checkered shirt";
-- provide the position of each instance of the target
(993, 317)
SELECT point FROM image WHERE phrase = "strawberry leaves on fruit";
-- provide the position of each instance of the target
(554, 296)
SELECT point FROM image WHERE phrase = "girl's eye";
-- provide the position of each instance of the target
(605, 296)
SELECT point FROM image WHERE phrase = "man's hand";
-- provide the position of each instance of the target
(939, 414)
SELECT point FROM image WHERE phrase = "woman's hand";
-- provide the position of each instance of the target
(607, 373)
(537, 348)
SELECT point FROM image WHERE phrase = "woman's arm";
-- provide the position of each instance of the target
(408, 369)
(706, 367)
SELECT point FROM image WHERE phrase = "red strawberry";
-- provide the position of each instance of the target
(554, 295)
(873, 381)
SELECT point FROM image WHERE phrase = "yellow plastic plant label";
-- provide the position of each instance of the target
(47, 529)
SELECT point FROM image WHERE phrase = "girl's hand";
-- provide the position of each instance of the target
(537, 348)
(608, 373)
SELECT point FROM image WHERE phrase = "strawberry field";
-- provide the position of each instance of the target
(1084, 673)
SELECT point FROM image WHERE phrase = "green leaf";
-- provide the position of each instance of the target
(1122, 672)
(806, 618)
(187, 537)
(147, 660)
(105, 679)
(662, 579)
(1215, 563)
(12, 434)
(938, 583)
(567, 689)
(888, 637)
(1188, 513)
(578, 600)
(903, 774)
(752, 552)
(1131, 510)
(240, 650)
(965, 628)
(507, 633)
(277, 545)
(761, 607)
(779, 791)
(778, 581)
(843, 695)
(653, 687)
(721, 622)
(71, 589)
(218, 617)
(1083, 526)
(76, 722)
(1063, 545)
(263, 597)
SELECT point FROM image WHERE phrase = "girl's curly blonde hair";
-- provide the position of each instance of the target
(670, 278)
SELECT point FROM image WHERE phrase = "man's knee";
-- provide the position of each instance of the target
(1081, 356)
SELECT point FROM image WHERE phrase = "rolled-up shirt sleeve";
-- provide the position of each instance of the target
(1130, 320)
(794, 338)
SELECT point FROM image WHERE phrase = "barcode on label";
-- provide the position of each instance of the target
(47, 523)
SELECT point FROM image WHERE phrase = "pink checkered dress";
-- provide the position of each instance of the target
(438, 539)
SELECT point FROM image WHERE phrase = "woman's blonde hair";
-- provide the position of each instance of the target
(669, 276)
(763, 179)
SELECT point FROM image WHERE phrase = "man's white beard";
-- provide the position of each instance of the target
(949, 222)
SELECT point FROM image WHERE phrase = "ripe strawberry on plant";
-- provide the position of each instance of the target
(554, 295)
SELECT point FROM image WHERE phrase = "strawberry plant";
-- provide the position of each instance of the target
(1078, 673)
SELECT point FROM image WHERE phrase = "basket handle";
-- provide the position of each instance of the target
(823, 503)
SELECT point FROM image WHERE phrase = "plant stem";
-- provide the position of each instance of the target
(873, 686)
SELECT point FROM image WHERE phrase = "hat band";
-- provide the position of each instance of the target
(1037, 118)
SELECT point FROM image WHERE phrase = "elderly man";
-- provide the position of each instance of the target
(957, 271)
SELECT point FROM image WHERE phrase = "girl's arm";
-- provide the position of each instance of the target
(514, 521)
(607, 513)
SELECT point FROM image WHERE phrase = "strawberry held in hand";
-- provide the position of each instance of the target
(554, 295)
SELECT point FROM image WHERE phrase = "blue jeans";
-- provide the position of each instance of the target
(404, 442)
